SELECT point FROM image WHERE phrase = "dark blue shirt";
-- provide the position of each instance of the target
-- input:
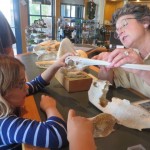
(7, 38)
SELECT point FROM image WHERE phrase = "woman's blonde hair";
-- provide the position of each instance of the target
(9, 75)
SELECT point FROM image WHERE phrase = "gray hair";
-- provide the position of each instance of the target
(9, 74)
(140, 12)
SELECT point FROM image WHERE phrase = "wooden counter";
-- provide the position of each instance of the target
(96, 51)
(121, 139)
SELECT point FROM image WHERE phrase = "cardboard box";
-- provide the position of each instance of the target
(74, 84)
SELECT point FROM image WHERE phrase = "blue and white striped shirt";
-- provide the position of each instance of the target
(15, 130)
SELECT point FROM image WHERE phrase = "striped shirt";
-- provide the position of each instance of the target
(15, 130)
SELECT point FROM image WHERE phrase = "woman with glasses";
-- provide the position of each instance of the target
(132, 23)
(15, 130)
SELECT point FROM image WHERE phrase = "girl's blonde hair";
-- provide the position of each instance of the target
(9, 77)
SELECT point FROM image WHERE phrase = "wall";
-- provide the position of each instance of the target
(85, 16)
(24, 24)
(57, 14)
(105, 9)
(110, 8)
(100, 6)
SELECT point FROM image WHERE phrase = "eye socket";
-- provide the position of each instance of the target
(124, 23)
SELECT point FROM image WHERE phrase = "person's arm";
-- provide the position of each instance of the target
(121, 56)
(48, 74)
(105, 73)
(80, 132)
(49, 134)
(44, 79)
(48, 105)
(118, 58)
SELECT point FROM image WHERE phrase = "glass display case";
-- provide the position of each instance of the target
(81, 31)
(36, 33)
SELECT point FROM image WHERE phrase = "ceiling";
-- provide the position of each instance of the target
(139, 0)
(128, 0)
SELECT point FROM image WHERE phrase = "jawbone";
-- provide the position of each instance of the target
(127, 114)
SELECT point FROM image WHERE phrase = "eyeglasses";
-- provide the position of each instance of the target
(124, 24)
(21, 84)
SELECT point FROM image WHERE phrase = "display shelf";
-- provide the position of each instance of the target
(81, 31)
(77, 30)
(36, 33)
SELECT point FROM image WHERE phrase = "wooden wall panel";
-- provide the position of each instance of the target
(110, 8)
(24, 24)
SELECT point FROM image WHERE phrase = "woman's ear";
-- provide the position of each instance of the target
(146, 25)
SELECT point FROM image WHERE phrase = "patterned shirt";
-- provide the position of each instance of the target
(15, 130)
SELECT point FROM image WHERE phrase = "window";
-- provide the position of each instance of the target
(38, 11)
(72, 11)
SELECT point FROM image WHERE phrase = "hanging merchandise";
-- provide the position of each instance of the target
(91, 8)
